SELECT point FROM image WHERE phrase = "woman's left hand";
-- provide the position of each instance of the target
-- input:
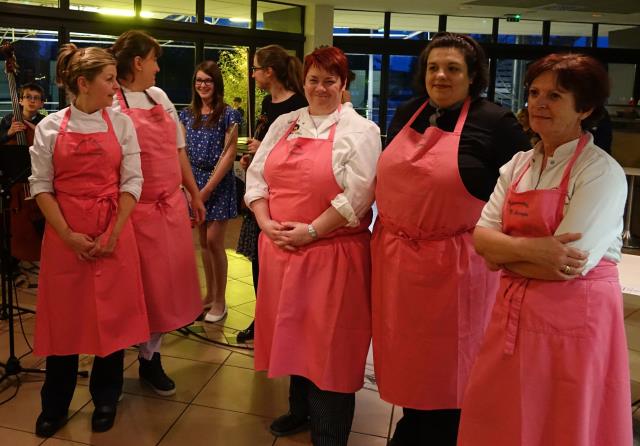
(296, 234)
(197, 207)
(105, 244)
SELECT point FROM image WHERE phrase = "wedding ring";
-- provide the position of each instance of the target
(566, 269)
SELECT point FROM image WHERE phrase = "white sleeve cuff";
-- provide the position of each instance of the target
(344, 208)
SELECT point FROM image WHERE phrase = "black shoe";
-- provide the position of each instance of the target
(245, 335)
(288, 424)
(151, 372)
(103, 418)
(46, 427)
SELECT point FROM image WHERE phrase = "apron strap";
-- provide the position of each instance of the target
(564, 184)
(153, 101)
(122, 99)
(417, 112)
(462, 117)
(65, 120)
(107, 120)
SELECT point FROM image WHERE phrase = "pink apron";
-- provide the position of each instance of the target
(431, 293)
(313, 315)
(553, 368)
(90, 307)
(162, 225)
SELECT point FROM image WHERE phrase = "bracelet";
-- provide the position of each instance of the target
(312, 232)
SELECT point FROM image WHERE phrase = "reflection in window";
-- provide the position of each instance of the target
(176, 69)
(236, 13)
(510, 91)
(365, 88)
(480, 28)
(571, 34)
(358, 23)
(622, 77)
(82, 40)
(124, 8)
(234, 65)
(618, 36)
(525, 32)
(413, 26)
(49, 3)
(182, 11)
(279, 17)
(35, 52)
(401, 72)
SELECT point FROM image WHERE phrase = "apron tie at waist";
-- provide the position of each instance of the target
(514, 296)
(105, 213)
(414, 240)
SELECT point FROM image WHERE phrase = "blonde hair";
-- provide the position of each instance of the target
(74, 62)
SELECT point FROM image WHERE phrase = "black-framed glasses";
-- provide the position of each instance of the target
(28, 97)
(205, 82)
(254, 69)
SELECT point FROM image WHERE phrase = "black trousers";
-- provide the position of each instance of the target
(330, 413)
(427, 428)
(105, 383)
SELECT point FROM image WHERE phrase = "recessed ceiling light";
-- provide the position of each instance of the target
(464, 7)
(239, 20)
(596, 14)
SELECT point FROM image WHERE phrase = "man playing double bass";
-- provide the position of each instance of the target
(27, 223)
(31, 100)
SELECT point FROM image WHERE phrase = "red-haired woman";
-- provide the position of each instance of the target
(553, 368)
(311, 188)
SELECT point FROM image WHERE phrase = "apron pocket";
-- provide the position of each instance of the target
(554, 307)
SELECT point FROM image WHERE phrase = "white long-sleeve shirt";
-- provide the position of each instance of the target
(137, 99)
(356, 149)
(596, 197)
(42, 170)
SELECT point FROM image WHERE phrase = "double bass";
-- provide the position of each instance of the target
(27, 222)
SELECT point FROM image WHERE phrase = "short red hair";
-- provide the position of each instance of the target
(330, 59)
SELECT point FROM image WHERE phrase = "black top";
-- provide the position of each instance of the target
(490, 137)
(5, 124)
(272, 111)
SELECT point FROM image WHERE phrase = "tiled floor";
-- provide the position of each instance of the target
(220, 400)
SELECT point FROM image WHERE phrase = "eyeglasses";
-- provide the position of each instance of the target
(254, 69)
(28, 97)
(205, 82)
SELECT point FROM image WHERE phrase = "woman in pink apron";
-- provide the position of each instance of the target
(553, 368)
(432, 293)
(161, 218)
(86, 179)
(311, 187)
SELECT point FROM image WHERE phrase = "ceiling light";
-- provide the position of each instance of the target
(239, 20)
(146, 14)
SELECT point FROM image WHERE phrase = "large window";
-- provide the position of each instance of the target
(35, 52)
(236, 13)
(510, 91)
(413, 26)
(121, 8)
(234, 65)
(358, 23)
(365, 88)
(49, 3)
(524, 32)
(480, 28)
(279, 17)
(401, 72)
(618, 36)
(571, 34)
(182, 11)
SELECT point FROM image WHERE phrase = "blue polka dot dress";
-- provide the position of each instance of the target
(204, 147)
